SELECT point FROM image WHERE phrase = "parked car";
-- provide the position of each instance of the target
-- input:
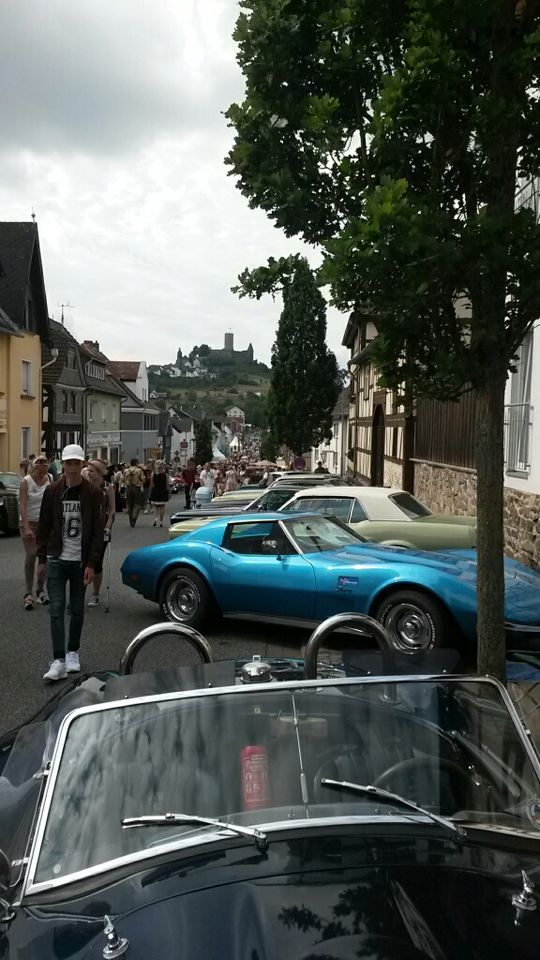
(200, 812)
(347, 504)
(272, 499)
(9, 502)
(299, 569)
(317, 479)
(176, 484)
(387, 515)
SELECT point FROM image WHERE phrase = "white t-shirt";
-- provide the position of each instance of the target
(34, 496)
(72, 525)
(207, 478)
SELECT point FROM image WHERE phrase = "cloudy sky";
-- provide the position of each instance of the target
(112, 131)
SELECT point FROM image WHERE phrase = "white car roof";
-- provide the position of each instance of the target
(375, 500)
(361, 493)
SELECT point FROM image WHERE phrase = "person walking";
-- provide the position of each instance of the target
(134, 480)
(207, 477)
(159, 491)
(31, 491)
(69, 544)
(189, 475)
(97, 472)
(231, 480)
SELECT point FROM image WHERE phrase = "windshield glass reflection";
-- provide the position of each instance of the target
(260, 757)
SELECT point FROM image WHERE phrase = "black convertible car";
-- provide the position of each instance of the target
(277, 810)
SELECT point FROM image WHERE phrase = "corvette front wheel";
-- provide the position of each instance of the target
(185, 598)
(414, 622)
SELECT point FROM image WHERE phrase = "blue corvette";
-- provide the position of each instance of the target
(299, 569)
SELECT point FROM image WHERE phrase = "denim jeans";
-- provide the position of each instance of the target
(59, 573)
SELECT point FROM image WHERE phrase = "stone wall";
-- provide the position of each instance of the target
(393, 474)
(451, 490)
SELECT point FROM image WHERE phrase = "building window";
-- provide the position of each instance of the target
(26, 442)
(71, 360)
(64, 402)
(103, 412)
(518, 419)
(95, 370)
(92, 415)
(26, 378)
(113, 414)
(73, 403)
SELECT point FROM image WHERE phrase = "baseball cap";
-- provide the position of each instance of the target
(73, 452)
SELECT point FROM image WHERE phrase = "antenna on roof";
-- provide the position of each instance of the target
(62, 305)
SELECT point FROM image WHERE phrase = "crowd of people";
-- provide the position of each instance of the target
(66, 522)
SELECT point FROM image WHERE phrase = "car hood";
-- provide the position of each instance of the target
(461, 563)
(405, 908)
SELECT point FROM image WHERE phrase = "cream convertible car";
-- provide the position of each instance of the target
(383, 514)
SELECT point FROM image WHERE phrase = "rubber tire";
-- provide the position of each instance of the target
(429, 607)
(199, 585)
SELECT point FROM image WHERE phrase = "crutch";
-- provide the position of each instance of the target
(107, 606)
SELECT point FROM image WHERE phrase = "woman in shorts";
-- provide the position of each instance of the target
(96, 474)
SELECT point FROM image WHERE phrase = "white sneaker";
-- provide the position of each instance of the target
(57, 671)
(73, 664)
(93, 601)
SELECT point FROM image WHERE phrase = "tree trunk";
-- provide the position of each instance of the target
(490, 535)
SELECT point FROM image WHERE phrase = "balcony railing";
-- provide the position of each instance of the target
(517, 438)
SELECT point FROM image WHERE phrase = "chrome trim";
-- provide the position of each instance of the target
(29, 887)
(370, 628)
(274, 827)
(512, 627)
(181, 630)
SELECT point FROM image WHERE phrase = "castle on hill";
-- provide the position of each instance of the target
(229, 353)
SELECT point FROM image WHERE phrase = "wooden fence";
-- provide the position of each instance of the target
(445, 431)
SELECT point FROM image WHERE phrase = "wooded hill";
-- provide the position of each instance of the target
(236, 384)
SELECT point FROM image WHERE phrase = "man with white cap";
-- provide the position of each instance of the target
(69, 544)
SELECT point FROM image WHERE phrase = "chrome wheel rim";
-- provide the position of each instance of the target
(410, 628)
(182, 600)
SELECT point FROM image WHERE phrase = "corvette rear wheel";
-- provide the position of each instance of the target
(185, 597)
(414, 622)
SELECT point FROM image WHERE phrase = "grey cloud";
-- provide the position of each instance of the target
(106, 77)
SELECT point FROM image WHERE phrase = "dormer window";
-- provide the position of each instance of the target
(95, 370)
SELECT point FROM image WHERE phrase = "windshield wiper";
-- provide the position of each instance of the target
(396, 799)
(170, 819)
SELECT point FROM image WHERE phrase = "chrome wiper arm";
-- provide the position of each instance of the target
(396, 799)
(170, 819)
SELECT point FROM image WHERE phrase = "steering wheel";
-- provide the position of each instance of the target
(396, 777)
(347, 760)
(180, 630)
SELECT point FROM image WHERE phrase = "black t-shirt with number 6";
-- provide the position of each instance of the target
(71, 525)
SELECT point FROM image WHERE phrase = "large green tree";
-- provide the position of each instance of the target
(203, 441)
(391, 133)
(304, 381)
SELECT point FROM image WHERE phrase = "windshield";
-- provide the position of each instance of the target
(314, 534)
(259, 756)
(347, 509)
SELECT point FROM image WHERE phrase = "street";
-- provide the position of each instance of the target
(24, 636)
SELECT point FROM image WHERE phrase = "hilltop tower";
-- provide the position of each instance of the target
(229, 343)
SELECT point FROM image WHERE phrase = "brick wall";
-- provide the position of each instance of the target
(451, 490)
